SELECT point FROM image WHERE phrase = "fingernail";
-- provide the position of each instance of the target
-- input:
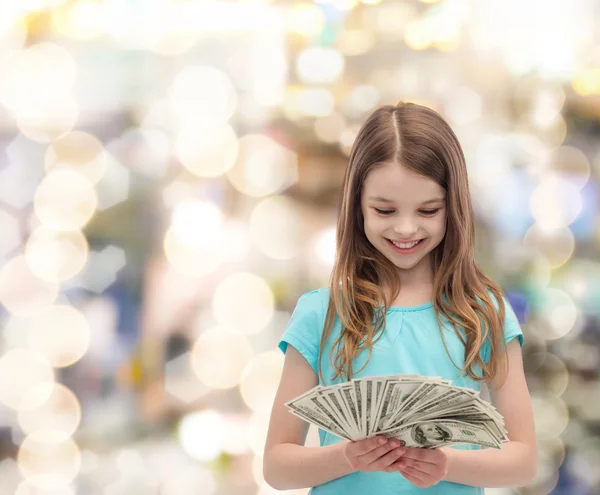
(382, 441)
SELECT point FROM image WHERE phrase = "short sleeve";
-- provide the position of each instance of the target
(512, 328)
(304, 328)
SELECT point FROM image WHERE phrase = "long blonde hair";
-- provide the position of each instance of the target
(420, 139)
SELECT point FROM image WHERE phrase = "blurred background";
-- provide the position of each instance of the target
(169, 178)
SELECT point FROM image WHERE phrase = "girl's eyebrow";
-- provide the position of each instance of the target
(385, 200)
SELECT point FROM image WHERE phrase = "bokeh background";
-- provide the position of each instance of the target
(169, 178)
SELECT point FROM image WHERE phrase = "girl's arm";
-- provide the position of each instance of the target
(516, 463)
(287, 464)
(513, 466)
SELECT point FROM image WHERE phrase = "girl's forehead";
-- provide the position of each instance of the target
(397, 183)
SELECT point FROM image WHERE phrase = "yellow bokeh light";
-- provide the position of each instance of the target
(202, 93)
(243, 303)
(352, 42)
(60, 333)
(21, 291)
(48, 460)
(263, 166)
(558, 312)
(587, 82)
(555, 203)
(196, 223)
(201, 434)
(49, 118)
(308, 102)
(417, 36)
(218, 358)
(193, 260)
(260, 380)
(551, 416)
(207, 150)
(80, 151)
(61, 412)
(275, 224)
(305, 19)
(26, 379)
(319, 65)
(557, 245)
(571, 164)
(65, 200)
(56, 256)
(81, 20)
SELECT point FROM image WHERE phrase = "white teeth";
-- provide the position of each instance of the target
(405, 246)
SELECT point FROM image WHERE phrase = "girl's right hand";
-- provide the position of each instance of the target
(373, 454)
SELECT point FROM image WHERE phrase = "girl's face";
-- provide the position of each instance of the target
(402, 206)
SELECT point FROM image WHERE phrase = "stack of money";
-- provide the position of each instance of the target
(421, 411)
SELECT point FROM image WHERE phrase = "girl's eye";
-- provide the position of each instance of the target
(389, 212)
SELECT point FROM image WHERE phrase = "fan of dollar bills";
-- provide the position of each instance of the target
(421, 411)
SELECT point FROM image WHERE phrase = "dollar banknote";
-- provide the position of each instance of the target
(420, 411)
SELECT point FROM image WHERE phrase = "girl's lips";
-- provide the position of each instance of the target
(405, 251)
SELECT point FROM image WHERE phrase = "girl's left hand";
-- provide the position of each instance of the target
(422, 467)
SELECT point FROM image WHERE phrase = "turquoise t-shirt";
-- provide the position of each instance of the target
(411, 343)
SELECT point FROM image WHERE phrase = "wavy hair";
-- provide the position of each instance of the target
(421, 140)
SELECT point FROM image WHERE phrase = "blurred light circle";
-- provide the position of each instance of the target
(581, 280)
(330, 127)
(309, 102)
(551, 373)
(347, 139)
(552, 451)
(192, 260)
(20, 371)
(201, 434)
(26, 487)
(60, 333)
(305, 19)
(202, 91)
(260, 380)
(80, 151)
(207, 150)
(83, 20)
(324, 246)
(218, 358)
(571, 164)
(49, 460)
(234, 442)
(553, 133)
(319, 65)
(256, 435)
(189, 479)
(558, 312)
(46, 119)
(243, 303)
(21, 291)
(557, 245)
(352, 42)
(65, 200)
(196, 223)
(61, 412)
(275, 226)
(555, 203)
(361, 99)
(551, 416)
(44, 72)
(263, 166)
(56, 256)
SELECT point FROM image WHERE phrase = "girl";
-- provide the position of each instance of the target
(406, 296)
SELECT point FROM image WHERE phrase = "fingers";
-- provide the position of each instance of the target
(386, 460)
(413, 478)
(363, 447)
(431, 456)
(374, 455)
